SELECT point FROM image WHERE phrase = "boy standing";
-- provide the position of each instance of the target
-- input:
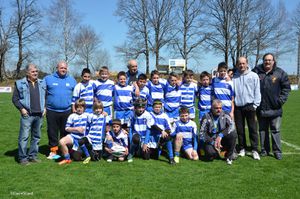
(123, 97)
(104, 90)
(223, 89)
(172, 97)
(84, 90)
(188, 91)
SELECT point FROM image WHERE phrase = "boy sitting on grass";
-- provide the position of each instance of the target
(117, 137)
(185, 133)
(76, 126)
(97, 128)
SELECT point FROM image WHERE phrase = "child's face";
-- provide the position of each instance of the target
(157, 108)
(141, 83)
(104, 75)
(188, 79)
(98, 111)
(184, 117)
(80, 110)
(122, 80)
(86, 77)
(172, 80)
(205, 81)
(139, 110)
(155, 79)
(222, 72)
(116, 128)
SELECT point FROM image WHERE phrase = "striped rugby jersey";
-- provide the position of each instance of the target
(123, 96)
(97, 124)
(86, 92)
(104, 91)
(223, 90)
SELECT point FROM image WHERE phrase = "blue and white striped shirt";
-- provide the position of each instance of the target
(123, 96)
(86, 92)
(144, 93)
(97, 124)
(172, 97)
(162, 120)
(156, 92)
(140, 124)
(75, 120)
(104, 91)
(205, 94)
(223, 90)
(188, 131)
(188, 93)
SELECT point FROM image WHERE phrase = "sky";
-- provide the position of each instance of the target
(100, 15)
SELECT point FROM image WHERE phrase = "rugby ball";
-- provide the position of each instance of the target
(118, 150)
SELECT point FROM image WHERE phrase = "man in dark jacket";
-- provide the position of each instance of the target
(218, 132)
(274, 88)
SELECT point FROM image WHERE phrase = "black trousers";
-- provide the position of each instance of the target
(56, 122)
(240, 115)
(228, 142)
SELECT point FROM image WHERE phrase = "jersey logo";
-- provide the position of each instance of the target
(274, 79)
(67, 84)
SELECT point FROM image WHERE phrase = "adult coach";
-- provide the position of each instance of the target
(275, 88)
(60, 87)
(132, 73)
(247, 99)
(29, 99)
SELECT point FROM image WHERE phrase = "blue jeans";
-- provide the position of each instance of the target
(29, 126)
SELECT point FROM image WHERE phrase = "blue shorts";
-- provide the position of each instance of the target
(108, 110)
(124, 116)
(202, 113)
(173, 115)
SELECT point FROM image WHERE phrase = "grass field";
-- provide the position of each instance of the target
(246, 178)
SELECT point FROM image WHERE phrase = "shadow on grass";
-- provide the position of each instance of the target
(12, 153)
(44, 150)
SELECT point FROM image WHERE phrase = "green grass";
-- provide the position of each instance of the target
(246, 178)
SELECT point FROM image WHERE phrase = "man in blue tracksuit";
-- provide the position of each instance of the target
(29, 99)
(274, 88)
(60, 88)
(247, 99)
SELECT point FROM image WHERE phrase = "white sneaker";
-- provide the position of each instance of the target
(255, 155)
(52, 156)
(109, 160)
(229, 162)
(242, 153)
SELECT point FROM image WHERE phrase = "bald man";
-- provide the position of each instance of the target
(247, 99)
(132, 73)
(60, 86)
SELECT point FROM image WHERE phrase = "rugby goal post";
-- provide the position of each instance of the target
(177, 65)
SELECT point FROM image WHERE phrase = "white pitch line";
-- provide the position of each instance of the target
(291, 145)
(290, 153)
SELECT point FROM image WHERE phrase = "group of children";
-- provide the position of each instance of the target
(148, 115)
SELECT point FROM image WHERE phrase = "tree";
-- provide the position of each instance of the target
(27, 26)
(87, 42)
(161, 22)
(296, 24)
(135, 15)
(189, 34)
(64, 22)
(6, 32)
(220, 26)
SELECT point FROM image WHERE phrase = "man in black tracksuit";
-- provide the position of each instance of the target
(275, 88)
